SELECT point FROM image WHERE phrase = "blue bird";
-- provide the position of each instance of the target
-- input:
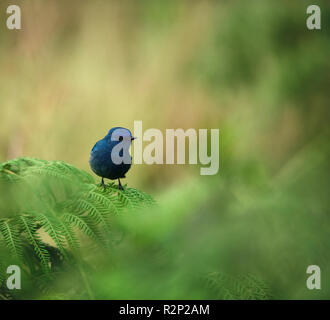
(105, 152)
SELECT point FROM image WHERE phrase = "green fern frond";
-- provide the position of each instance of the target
(48, 171)
(30, 229)
(60, 170)
(97, 212)
(131, 198)
(72, 171)
(69, 234)
(244, 287)
(12, 238)
(141, 198)
(52, 199)
(84, 224)
(108, 200)
(53, 228)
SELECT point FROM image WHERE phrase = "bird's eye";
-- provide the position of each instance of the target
(121, 138)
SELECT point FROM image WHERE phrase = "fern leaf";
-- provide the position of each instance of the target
(61, 199)
(69, 234)
(30, 229)
(95, 211)
(52, 227)
(132, 198)
(107, 200)
(83, 224)
(12, 238)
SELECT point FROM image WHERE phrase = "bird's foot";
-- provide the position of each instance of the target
(102, 184)
(120, 187)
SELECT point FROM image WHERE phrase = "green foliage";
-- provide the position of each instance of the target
(244, 287)
(57, 224)
(49, 208)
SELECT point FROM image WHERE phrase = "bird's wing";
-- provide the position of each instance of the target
(99, 145)
(95, 147)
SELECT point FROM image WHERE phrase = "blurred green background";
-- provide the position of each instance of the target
(250, 68)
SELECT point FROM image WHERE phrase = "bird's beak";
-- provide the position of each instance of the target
(133, 138)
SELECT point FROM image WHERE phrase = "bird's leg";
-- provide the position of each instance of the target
(120, 187)
(102, 183)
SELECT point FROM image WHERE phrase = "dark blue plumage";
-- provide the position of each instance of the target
(100, 158)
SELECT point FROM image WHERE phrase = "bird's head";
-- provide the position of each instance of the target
(120, 134)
